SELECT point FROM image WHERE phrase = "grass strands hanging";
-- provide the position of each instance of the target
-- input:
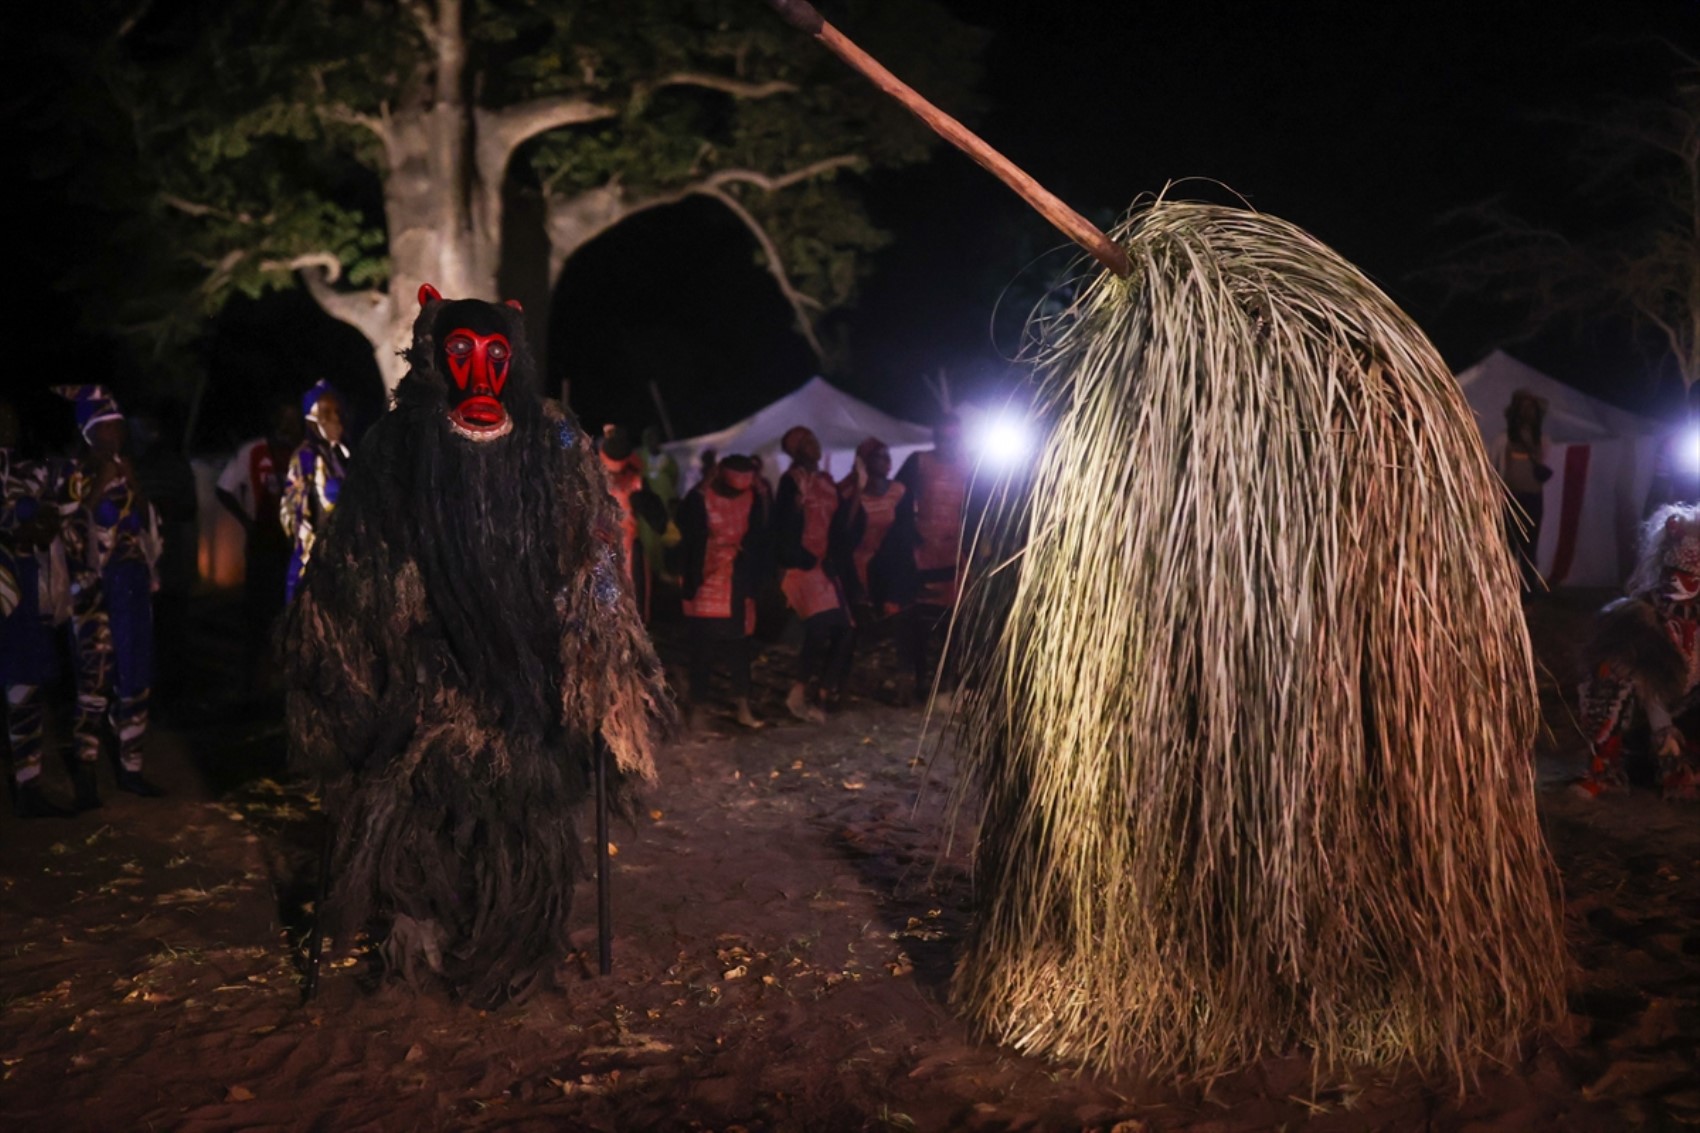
(1251, 724)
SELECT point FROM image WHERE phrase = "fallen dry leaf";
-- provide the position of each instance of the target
(737, 973)
(239, 1094)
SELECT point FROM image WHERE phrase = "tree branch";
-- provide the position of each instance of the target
(365, 311)
(198, 210)
(613, 209)
(785, 180)
(775, 267)
(330, 267)
(137, 15)
(500, 132)
(738, 88)
(337, 112)
(420, 13)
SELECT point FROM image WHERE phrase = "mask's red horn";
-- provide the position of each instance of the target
(428, 293)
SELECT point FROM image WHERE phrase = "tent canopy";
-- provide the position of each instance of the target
(1602, 458)
(1572, 416)
(840, 421)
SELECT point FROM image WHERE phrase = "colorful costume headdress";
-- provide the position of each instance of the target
(94, 404)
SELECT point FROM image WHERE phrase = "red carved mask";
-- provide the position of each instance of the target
(476, 354)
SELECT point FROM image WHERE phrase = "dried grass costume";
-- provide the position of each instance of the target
(464, 633)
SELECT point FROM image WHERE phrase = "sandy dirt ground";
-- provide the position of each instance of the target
(788, 910)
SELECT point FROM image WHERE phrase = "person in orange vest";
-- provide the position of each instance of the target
(638, 505)
(864, 543)
(723, 525)
(929, 518)
(803, 523)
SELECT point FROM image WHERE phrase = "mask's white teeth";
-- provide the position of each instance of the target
(492, 433)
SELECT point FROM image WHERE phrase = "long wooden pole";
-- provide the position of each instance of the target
(802, 15)
(604, 864)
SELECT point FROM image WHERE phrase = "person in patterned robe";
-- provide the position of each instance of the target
(112, 542)
(723, 524)
(1643, 663)
(314, 480)
(29, 534)
(803, 522)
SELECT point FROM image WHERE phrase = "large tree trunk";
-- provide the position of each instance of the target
(444, 223)
(445, 161)
(442, 200)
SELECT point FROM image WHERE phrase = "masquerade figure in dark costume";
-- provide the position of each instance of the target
(803, 524)
(463, 635)
(315, 477)
(111, 544)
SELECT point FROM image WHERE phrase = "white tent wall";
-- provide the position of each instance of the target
(1602, 459)
(840, 421)
(1606, 529)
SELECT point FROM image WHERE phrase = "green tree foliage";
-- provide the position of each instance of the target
(361, 147)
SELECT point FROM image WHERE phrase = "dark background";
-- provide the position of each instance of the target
(1362, 122)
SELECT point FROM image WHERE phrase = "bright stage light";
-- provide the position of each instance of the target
(1003, 440)
(1689, 448)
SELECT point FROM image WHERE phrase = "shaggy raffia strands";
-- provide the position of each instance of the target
(1253, 717)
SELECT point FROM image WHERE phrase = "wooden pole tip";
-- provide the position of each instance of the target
(800, 14)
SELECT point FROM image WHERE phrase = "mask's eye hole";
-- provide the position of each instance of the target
(458, 345)
(498, 351)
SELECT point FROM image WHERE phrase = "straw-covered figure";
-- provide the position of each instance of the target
(1254, 730)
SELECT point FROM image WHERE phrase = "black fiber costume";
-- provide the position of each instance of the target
(464, 634)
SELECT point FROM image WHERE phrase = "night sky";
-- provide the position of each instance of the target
(1362, 122)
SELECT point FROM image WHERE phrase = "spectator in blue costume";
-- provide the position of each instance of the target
(112, 542)
(29, 538)
(314, 479)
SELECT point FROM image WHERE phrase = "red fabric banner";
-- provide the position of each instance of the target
(1570, 511)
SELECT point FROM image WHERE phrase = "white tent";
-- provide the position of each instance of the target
(1602, 458)
(839, 420)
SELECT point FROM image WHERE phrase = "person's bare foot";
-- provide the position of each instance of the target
(744, 716)
(797, 703)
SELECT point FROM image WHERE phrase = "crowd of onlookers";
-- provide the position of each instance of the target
(82, 553)
(871, 554)
(98, 556)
